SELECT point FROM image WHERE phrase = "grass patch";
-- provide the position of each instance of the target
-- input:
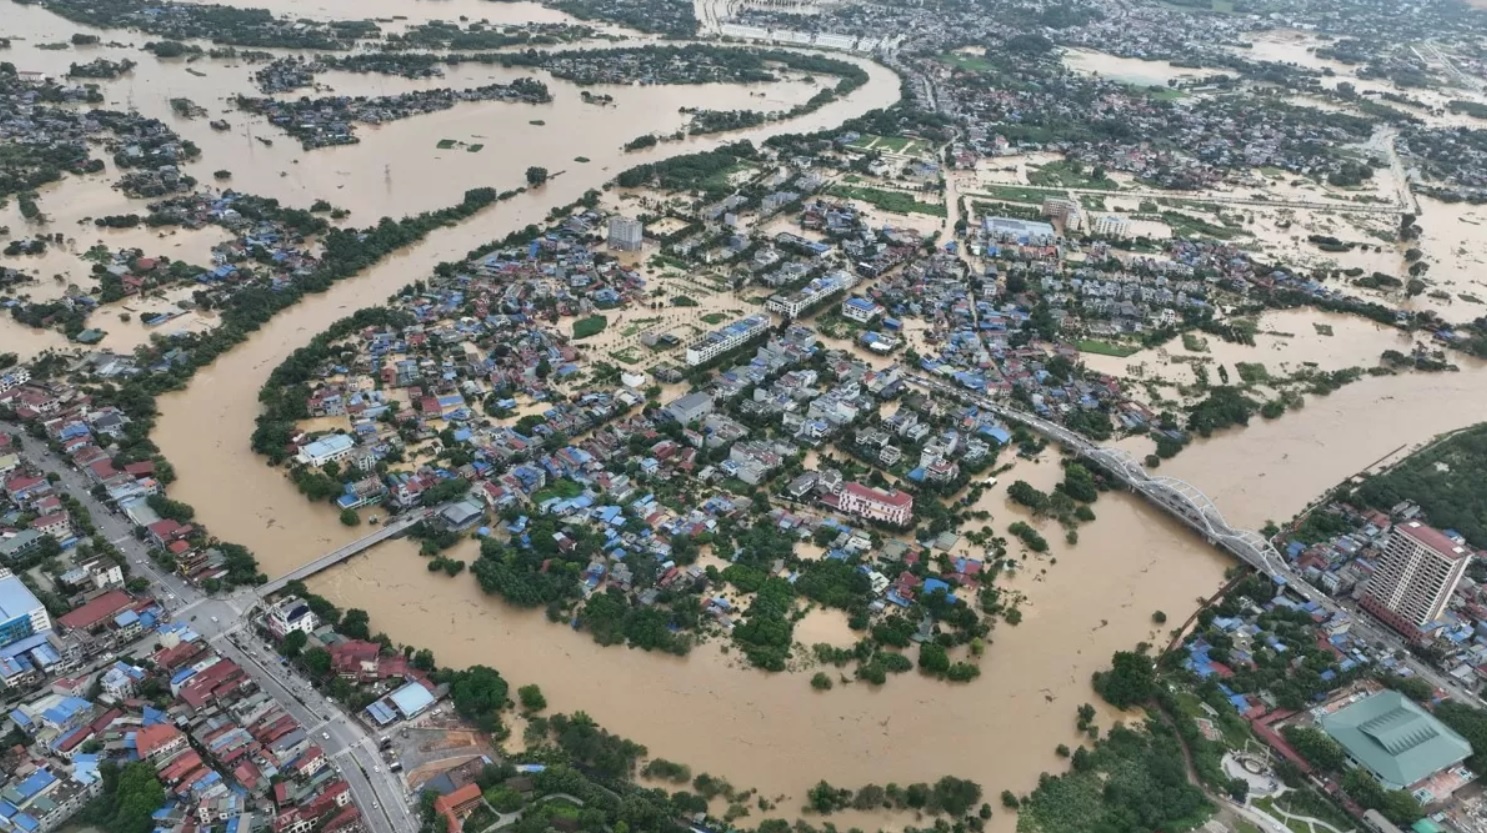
(960, 60)
(714, 318)
(1186, 225)
(1322, 329)
(635, 325)
(1253, 373)
(684, 301)
(1018, 193)
(1066, 174)
(626, 356)
(581, 159)
(537, 123)
(1160, 93)
(895, 202)
(446, 144)
(1194, 343)
(1105, 348)
(474, 148)
(590, 326)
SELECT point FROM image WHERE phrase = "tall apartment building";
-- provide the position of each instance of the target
(625, 234)
(1416, 576)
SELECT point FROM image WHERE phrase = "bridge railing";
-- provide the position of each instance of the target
(1182, 500)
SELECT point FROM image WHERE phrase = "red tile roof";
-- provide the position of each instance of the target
(1434, 539)
(97, 611)
(151, 739)
(893, 498)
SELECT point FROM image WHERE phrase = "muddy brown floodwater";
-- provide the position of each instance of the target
(766, 731)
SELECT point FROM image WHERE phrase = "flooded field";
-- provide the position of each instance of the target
(1129, 70)
(1287, 341)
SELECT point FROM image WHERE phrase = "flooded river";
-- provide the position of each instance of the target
(397, 169)
(766, 731)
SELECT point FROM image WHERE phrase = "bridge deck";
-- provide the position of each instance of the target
(330, 559)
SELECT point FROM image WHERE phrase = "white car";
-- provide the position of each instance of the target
(325, 735)
(376, 769)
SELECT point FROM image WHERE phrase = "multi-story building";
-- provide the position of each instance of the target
(14, 378)
(861, 310)
(327, 450)
(709, 346)
(1065, 211)
(289, 615)
(795, 304)
(892, 506)
(626, 234)
(1416, 576)
(1111, 225)
(21, 614)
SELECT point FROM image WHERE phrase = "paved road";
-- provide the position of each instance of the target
(378, 792)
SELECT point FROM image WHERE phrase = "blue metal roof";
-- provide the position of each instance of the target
(411, 699)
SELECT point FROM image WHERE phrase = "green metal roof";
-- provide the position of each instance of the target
(1401, 743)
(1426, 826)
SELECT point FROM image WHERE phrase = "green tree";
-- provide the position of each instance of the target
(349, 517)
(1131, 679)
(531, 698)
(316, 661)
(293, 644)
(356, 623)
(1316, 747)
(933, 659)
(536, 176)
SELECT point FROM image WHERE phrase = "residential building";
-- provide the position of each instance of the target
(289, 615)
(860, 310)
(15, 545)
(1064, 210)
(458, 804)
(1111, 225)
(710, 345)
(14, 378)
(626, 234)
(689, 408)
(795, 304)
(1416, 576)
(892, 506)
(329, 449)
(1396, 741)
(21, 613)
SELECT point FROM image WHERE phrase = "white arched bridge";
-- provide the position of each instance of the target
(1180, 499)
